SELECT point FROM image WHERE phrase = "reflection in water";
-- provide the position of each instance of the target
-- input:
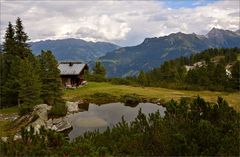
(99, 117)
(83, 106)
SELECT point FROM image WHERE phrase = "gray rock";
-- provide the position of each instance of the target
(37, 125)
(57, 120)
(41, 110)
(54, 128)
(72, 107)
(64, 125)
(4, 139)
(49, 124)
(17, 137)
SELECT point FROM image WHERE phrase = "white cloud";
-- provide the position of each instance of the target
(121, 22)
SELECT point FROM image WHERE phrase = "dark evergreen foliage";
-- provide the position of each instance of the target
(50, 78)
(210, 74)
(29, 84)
(189, 128)
(25, 79)
(98, 73)
(98, 69)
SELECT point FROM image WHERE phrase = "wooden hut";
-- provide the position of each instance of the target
(72, 73)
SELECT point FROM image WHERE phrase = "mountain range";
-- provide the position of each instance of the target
(73, 49)
(152, 52)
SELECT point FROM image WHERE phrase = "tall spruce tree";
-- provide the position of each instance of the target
(21, 38)
(235, 80)
(15, 49)
(99, 69)
(29, 82)
(9, 43)
(50, 77)
(9, 71)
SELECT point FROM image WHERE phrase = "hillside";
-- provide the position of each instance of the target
(73, 49)
(152, 52)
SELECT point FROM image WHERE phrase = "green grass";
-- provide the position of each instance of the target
(148, 92)
(4, 128)
(10, 110)
(238, 57)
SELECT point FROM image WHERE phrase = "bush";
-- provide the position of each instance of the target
(189, 128)
(130, 99)
(101, 98)
(121, 81)
(58, 110)
(96, 78)
(25, 109)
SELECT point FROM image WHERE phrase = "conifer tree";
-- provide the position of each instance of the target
(9, 71)
(50, 78)
(9, 43)
(29, 82)
(142, 78)
(21, 38)
(235, 80)
(99, 69)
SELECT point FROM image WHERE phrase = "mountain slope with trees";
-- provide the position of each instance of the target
(212, 69)
(73, 49)
(128, 61)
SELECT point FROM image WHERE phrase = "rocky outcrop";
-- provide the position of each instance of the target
(78, 106)
(72, 107)
(58, 124)
(39, 118)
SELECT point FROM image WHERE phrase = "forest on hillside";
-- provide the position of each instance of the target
(213, 69)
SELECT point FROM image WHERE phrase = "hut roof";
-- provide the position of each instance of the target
(71, 68)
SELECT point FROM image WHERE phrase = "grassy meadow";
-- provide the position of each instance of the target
(116, 91)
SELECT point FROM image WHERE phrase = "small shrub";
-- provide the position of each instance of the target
(25, 109)
(101, 98)
(130, 99)
(120, 81)
(58, 110)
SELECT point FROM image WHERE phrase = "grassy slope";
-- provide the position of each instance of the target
(9, 110)
(148, 92)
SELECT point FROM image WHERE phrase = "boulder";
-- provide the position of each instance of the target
(72, 107)
(49, 124)
(57, 120)
(4, 139)
(42, 111)
(17, 137)
(37, 124)
(63, 126)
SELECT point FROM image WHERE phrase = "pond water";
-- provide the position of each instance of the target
(99, 117)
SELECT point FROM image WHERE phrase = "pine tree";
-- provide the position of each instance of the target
(29, 82)
(21, 38)
(142, 78)
(50, 78)
(9, 71)
(99, 69)
(235, 80)
(9, 43)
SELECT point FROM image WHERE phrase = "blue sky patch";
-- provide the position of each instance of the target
(176, 4)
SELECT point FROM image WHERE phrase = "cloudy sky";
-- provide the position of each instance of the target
(122, 22)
